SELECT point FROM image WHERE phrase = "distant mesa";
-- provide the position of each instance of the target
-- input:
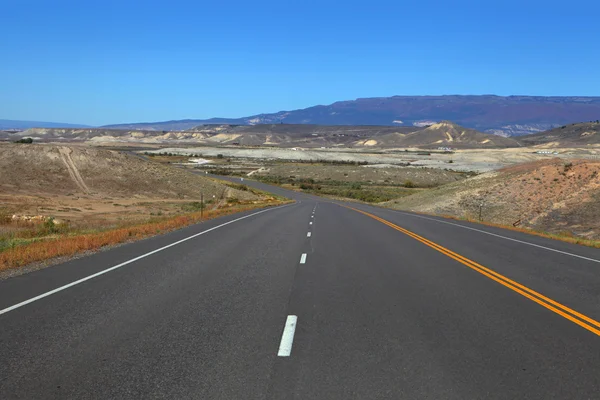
(16, 125)
(500, 115)
(506, 116)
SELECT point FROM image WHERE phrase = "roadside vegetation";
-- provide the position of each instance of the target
(25, 141)
(343, 179)
(74, 199)
(557, 199)
(25, 243)
(361, 191)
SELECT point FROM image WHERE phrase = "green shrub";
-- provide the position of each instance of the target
(238, 186)
(50, 225)
(193, 206)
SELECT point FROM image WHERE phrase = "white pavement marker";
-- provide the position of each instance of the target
(303, 259)
(308, 234)
(287, 339)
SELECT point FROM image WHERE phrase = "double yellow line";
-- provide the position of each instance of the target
(552, 305)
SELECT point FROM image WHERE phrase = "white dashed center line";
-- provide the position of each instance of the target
(310, 223)
(308, 234)
(287, 339)
(303, 259)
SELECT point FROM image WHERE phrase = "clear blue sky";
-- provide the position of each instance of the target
(99, 62)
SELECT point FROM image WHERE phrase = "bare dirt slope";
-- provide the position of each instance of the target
(551, 195)
(573, 135)
(79, 183)
(444, 134)
(53, 169)
(280, 135)
(448, 134)
(296, 135)
(74, 135)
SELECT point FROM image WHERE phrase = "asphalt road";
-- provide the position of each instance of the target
(312, 300)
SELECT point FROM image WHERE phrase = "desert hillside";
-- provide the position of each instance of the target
(245, 135)
(443, 134)
(552, 195)
(452, 135)
(67, 135)
(573, 135)
(51, 169)
(92, 187)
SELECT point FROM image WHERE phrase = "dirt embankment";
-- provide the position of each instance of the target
(552, 195)
(80, 183)
(61, 170)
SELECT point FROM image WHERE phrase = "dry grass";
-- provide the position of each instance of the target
(72, 244)
(548, 196)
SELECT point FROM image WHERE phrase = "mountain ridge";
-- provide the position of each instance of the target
(501, 115)
(8, 124)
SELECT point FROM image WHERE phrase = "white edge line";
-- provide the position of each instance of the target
(500, 236)
(308, 234)
(287, 338)
(303, 258)
(51, 292)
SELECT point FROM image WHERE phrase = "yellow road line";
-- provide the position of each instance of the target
(584, 321)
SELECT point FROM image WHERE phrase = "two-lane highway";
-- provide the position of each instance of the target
(313, 300)
(191, 321)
